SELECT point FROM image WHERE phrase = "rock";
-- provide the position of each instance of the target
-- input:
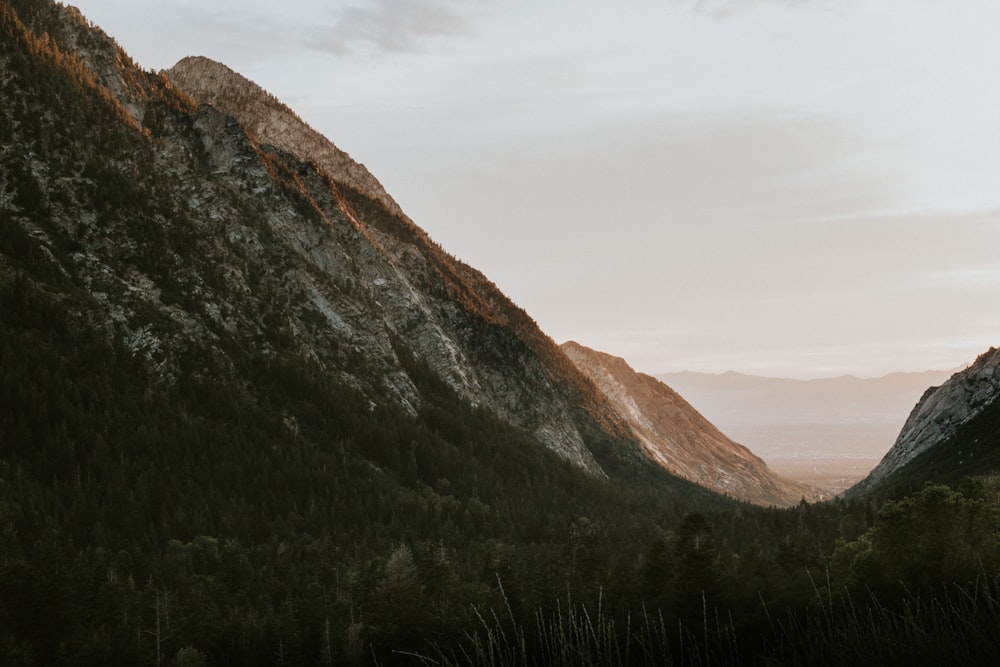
(678, 438)
(938, 415)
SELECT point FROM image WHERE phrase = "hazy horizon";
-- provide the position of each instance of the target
(877, 376)
(782, 189)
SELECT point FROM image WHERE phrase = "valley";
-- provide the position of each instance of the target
(252, 414)
(829, 433)
(831, 458)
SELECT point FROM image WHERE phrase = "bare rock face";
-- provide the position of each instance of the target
(678, 438)
(271, 122)
(938, 415)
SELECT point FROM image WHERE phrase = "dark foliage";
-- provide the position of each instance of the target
(973, 450)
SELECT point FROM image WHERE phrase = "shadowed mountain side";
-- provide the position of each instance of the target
(679, 438)
(202, 218)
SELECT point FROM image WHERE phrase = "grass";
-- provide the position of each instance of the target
(958, 627)
(576, 636)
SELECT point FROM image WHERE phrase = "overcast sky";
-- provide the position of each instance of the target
(796, 188)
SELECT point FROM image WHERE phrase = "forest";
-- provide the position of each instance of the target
(145, 525)
(254, 510)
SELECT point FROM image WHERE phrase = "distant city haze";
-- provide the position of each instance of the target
(827, 432)
(789, 189)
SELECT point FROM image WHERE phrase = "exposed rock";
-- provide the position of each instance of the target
(679, 438)
(271, 122)
(939, 414)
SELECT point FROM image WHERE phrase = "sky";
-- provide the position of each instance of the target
(794, 188)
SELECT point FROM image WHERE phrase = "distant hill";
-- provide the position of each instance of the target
(829, 432)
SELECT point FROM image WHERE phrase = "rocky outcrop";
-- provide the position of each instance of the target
(264, 117)
(678, 438)
(939, 414)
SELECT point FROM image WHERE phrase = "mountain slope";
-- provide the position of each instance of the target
(679, 438)
(237, 388)
(949, 423)
(450, 315)
(207, 236)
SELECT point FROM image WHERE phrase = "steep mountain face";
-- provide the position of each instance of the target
(210, 222)
(960, 406)
(679, 438)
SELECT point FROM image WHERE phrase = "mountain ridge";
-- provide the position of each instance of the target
(284, 245)
(271, 121)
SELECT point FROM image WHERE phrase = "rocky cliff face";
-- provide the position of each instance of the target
(449, 314)
(678, 438)
(269, 121)
(939, 415)
(208, 225)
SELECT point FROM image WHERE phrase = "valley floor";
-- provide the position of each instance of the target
(831, 475)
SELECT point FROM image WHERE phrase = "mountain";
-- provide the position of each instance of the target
(679, 438)
(448, 314)
(245, 400)
(952, 432)
(210, 226)
(231, 227)
(828, 432)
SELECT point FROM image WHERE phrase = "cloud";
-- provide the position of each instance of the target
(245, 32)
(724, 9)
(393, 26)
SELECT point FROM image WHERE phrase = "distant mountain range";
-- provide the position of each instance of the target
(829, 432)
